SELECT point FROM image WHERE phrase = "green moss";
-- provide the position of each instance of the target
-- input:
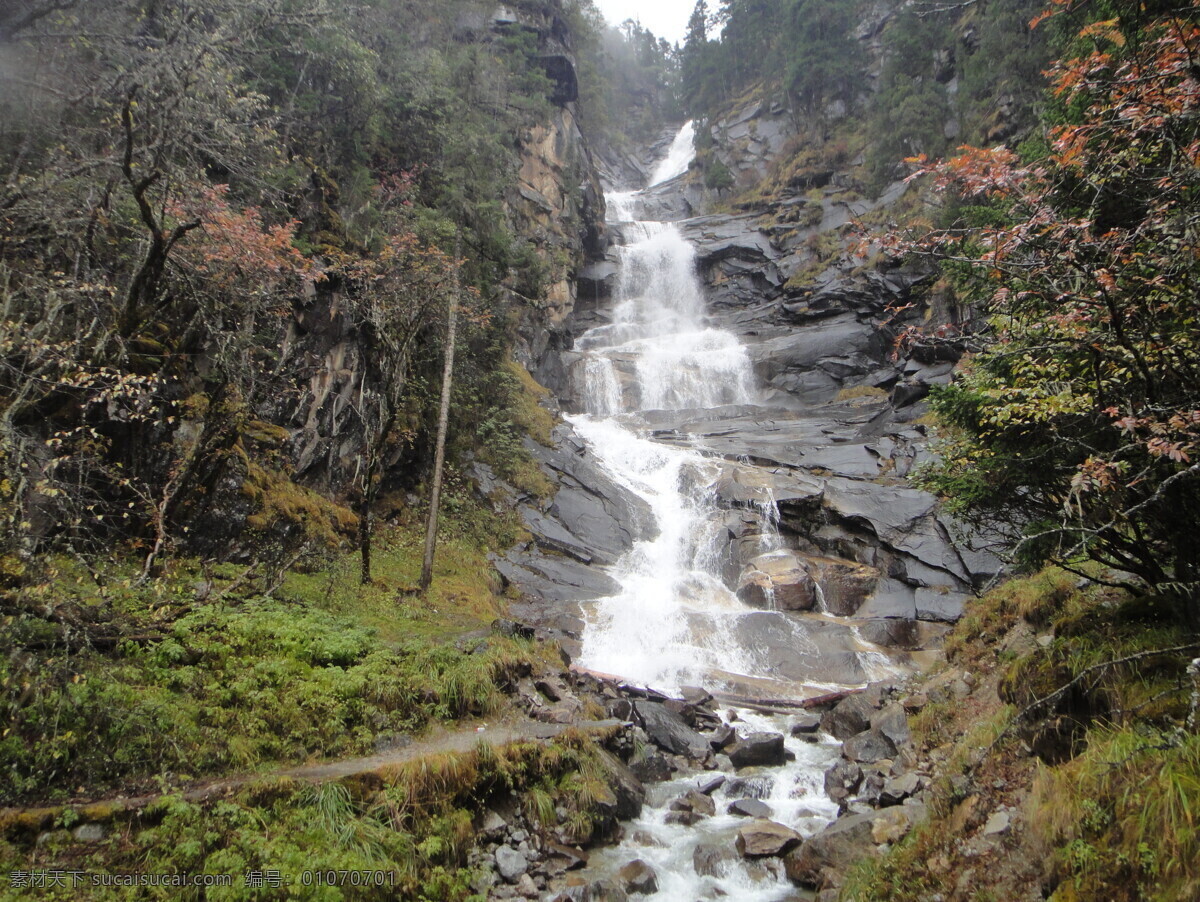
(243, 682)
(1124, 816)
(280, 500)
(413, 824)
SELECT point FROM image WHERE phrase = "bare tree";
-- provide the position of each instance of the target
(440, 452)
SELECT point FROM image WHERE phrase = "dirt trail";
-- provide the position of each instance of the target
(437, 740)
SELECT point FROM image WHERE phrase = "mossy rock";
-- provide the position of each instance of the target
(1056, 730)
(27, 823)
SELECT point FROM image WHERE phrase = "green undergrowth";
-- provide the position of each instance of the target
(109, 682)
(400, 833)
(1084, 733)
(1124, 816)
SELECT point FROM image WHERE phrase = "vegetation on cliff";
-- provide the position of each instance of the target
(225, 235)
(1075, 426)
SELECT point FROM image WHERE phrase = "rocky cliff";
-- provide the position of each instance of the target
(790, 268)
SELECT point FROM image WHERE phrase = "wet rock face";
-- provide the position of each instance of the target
(669, 730)
(778, 581)
(816, 516)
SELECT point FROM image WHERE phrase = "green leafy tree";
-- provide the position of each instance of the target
(1075, 430)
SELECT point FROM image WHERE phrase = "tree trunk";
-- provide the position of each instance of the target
(440, 453)
(364, 531)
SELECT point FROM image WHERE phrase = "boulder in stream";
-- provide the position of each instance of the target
(669, 731)
(638, 877)
(750, 808)
(758, 749)
(712, 859)
(626, 793)
(840, 844)
(762, 838)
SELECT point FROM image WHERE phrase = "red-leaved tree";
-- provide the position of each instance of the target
(1077, 429)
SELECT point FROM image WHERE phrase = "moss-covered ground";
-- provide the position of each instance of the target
(116, 687)
(1075, 726)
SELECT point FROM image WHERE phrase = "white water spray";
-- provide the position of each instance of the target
(679, 157)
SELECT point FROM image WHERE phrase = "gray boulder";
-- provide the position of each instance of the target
(848, 717)
(750, 808)
(758, 749)
(625, 792)
(868, 747)
(669, 731)
(510, 864)
(892, 722)
(837, 846)
(763, 838)
(842, 780)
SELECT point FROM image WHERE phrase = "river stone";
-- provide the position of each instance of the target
(777, 581)
(638, 877)
(848, 717)
(722, 737)
(805, 724)
(570, 856)
(607, 891)
(750, 808)
(868, 747)
(842, 780)
(897, 789)
(709, 785)
(757, 787)
(669, 731)
(758, 749)
(761, 838)
(837, 846)
(712, 859)
(696, 696)
(651, 769)
(695, 801)
(510, 863)
(871, 788)
(892, 722)
(625, 792)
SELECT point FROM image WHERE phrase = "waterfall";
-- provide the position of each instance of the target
(675, 622)
(668, 625)
(678, 158)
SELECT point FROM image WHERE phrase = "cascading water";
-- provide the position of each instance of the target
(663, 628)
(675, 622)
(679, 157)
